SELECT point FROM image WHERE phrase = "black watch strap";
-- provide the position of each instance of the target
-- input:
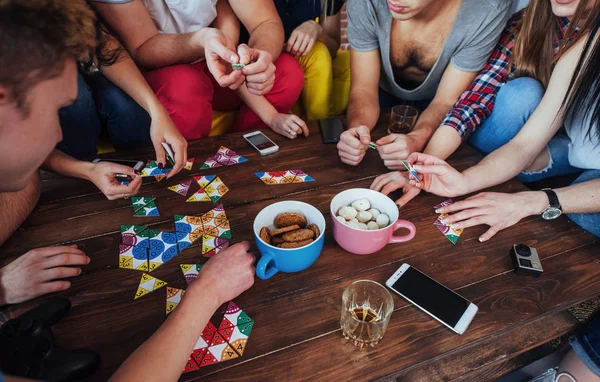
(553, 198)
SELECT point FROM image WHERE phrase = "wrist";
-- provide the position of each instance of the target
(198, 38)
(536, 202)
(419, 141)
(202, 290)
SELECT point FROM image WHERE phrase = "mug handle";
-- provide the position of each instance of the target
(402, 239)
(263, 270)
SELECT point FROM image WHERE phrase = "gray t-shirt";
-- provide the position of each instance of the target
(473, 36)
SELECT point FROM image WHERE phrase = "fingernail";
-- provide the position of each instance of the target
(444, 221)
(88, 259)
(437, 211)
(416, 167)
(138, 172)
(160, 165)
(79, 271)
(481, 239)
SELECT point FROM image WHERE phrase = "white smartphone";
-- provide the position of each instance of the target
(433, 298)
(261, 143)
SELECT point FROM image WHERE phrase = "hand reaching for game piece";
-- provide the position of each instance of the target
(226, 275)
(289, 125)
(354, 144)
(102, 174)
(392, 181)
(395, 148)
(38, 272)
(438, 177)
(303, 38)
(260, 74)
(162, 130)
(219, 57)
(497, 210)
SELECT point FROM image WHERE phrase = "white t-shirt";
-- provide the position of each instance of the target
(178, 16)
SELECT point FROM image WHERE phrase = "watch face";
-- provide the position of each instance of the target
(551, 213)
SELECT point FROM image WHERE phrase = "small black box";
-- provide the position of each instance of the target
(526, 260)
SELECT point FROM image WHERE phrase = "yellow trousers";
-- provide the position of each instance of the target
(326, 82)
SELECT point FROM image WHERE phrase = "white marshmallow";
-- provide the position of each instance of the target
(375, 212)
(355, 220)
(372, 226)
(353, 225)
(347, 213)
(361, 205)
(363, 226)
(364, 216)
(341, 219)
(383, 220)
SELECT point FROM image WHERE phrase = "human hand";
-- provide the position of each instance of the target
(395, 148)
(392, 181)
(303, 38)
(437, 176)
(225, 275)
(38, 272)
(288, 125)
(102, 174)
(260, 75)
(497, 210)
(162, 130)
(219, 57)
(354, 144)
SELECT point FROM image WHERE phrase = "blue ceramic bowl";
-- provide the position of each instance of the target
(291, 260)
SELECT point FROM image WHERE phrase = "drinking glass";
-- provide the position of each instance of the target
(403, 119)
(366, 310)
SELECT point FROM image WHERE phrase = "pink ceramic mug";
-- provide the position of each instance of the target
(361, 242)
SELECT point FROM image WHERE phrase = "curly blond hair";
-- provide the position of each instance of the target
(35, 38)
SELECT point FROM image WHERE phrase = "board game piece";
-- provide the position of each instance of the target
(163, 247)
(216, 190)
(184, 240)
(411, 170)
(170, 153)
(451, 233)
(138, 202)
(191, 225)
(160, 178)
(182, 188)
(373, 145)
(147, 285)
(174, 297)
(204, 180)
(284, 177)
(133, 257)
(189, 164)
(190, 272)
(223, 157)
(218, 350)
(199, 196)
(215, 223)
(212, 245)
(200, 348)
(134, 235)
(149, 209)
(445, 203)
(237, 66)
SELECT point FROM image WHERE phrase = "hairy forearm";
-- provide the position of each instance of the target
(258, 104)
(363, 109)
(444, 142)
(170, 49)
(269, 37)
(63, 164)
(180, 332)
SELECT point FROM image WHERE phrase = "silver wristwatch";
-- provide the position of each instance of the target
(554, 210)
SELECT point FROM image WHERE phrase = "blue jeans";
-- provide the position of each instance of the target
(515, 103)
(102, 105)
(587, 345)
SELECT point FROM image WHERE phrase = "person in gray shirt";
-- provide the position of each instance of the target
(419, 52)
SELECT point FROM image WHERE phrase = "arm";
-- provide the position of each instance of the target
(227, 22)
(221, 279)
(476, 104)
(363, 105)
(263, 24)
(331, 31)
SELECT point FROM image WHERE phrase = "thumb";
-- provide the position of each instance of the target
(386, 140)
(245, 53)
(160, 153)
(225, 53)
(364, 134)
(437, 169)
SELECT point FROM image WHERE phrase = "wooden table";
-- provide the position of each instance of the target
(297, 333)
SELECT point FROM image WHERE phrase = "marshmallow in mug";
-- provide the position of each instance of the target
(360, 215)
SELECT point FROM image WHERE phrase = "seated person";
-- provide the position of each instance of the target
(172, 41)
(571, 101)
(42, 59)
(505, 93)
(316, 47)
(426, 53)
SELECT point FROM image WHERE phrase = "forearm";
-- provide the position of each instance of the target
(268, 37)
(429, 121)
(363, 109)
(444, 142)
(166, 49)
(581, 198)
(179, 333)
(331, 44)
(63, 164)
(258, 104)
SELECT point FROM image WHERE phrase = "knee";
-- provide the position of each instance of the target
(318, 58)
(290, 75)
(341, 65)
(521, 95)
(115, 102)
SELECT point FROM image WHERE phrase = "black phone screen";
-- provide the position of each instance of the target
(331, 129)
(260, 141)
(431, 296)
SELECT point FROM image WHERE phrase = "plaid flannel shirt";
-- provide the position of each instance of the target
(477, 103)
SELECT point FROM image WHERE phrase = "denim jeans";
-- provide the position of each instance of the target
(102, 105)
(587, 345)
(515, 103)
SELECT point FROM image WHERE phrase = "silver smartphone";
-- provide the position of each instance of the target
(261, 143)
(441, 303)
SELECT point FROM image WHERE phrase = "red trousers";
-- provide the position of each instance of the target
(190, 93)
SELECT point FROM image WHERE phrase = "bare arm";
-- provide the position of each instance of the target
(227, 22)
(262, 21)
(331, 31)
(363, 106)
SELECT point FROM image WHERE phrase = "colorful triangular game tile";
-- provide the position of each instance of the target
(200, 348)
(265, 178)
(191, 225)
(218, 350)
(236, 316)
(189, 164)
(134, 235)
(147, 285)
(160, 178)
(212, 245)
(438, 221)
(149, 209)
(205, 180)
(184, 240)
(215, 223)
(163, 248)
(451, 233)
(152, 169)
(174, 297)
(133, 257)
(445, 203)
(238, 340)
(199, 196)
(182, 188)
(138, 202)
(301, 177)
(223, 157)
(190, 272)
(216, 190)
